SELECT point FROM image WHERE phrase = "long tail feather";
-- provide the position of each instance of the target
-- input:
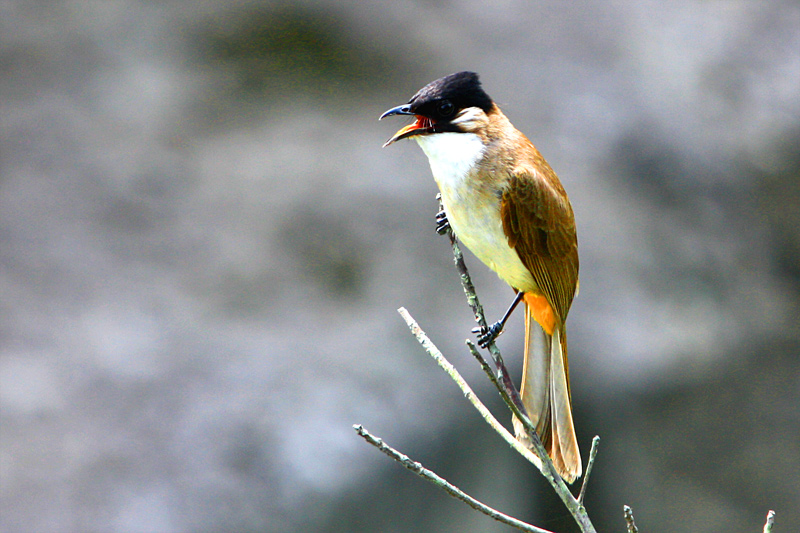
(546, 396)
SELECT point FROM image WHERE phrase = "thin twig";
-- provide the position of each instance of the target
(440, 359)
(533, 458)
(770, 521)
(544, 465)
(592, 455)
(628, 513)
(443, 484)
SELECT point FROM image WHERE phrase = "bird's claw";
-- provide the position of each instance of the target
(487, 335)
(442, 224)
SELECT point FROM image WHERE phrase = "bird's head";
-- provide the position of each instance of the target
(456, 103)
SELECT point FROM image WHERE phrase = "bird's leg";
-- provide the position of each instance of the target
(488, 334)
(442, 224)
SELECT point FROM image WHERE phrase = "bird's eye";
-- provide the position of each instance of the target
(445, 108)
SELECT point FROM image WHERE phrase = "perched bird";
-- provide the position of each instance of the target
(506, 204)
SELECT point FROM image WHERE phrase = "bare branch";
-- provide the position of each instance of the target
(592, 456)
(443, 484)
(530, 456)
(628, 513)
(770, 521)
(544, 465)
(440, 359)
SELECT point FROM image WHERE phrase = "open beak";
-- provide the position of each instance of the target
(421, 125)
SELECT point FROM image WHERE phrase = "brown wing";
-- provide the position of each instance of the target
(539, 223)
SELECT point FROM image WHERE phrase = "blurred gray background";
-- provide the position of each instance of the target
(203, 245)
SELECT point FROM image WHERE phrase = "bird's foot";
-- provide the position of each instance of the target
(487, 335)
(442, 224)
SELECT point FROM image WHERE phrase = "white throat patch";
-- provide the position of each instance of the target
(451, 155)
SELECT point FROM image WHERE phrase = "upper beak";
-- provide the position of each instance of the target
(404, 109)
(420, 126)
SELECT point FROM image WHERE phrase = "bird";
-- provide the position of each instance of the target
(505, 203)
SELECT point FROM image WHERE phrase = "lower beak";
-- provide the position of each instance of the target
(421, 125)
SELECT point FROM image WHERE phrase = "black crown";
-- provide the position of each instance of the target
(462, 89)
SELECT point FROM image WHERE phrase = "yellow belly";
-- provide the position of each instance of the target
(475, 219)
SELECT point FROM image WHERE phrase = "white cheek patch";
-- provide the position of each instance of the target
(470, 115)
